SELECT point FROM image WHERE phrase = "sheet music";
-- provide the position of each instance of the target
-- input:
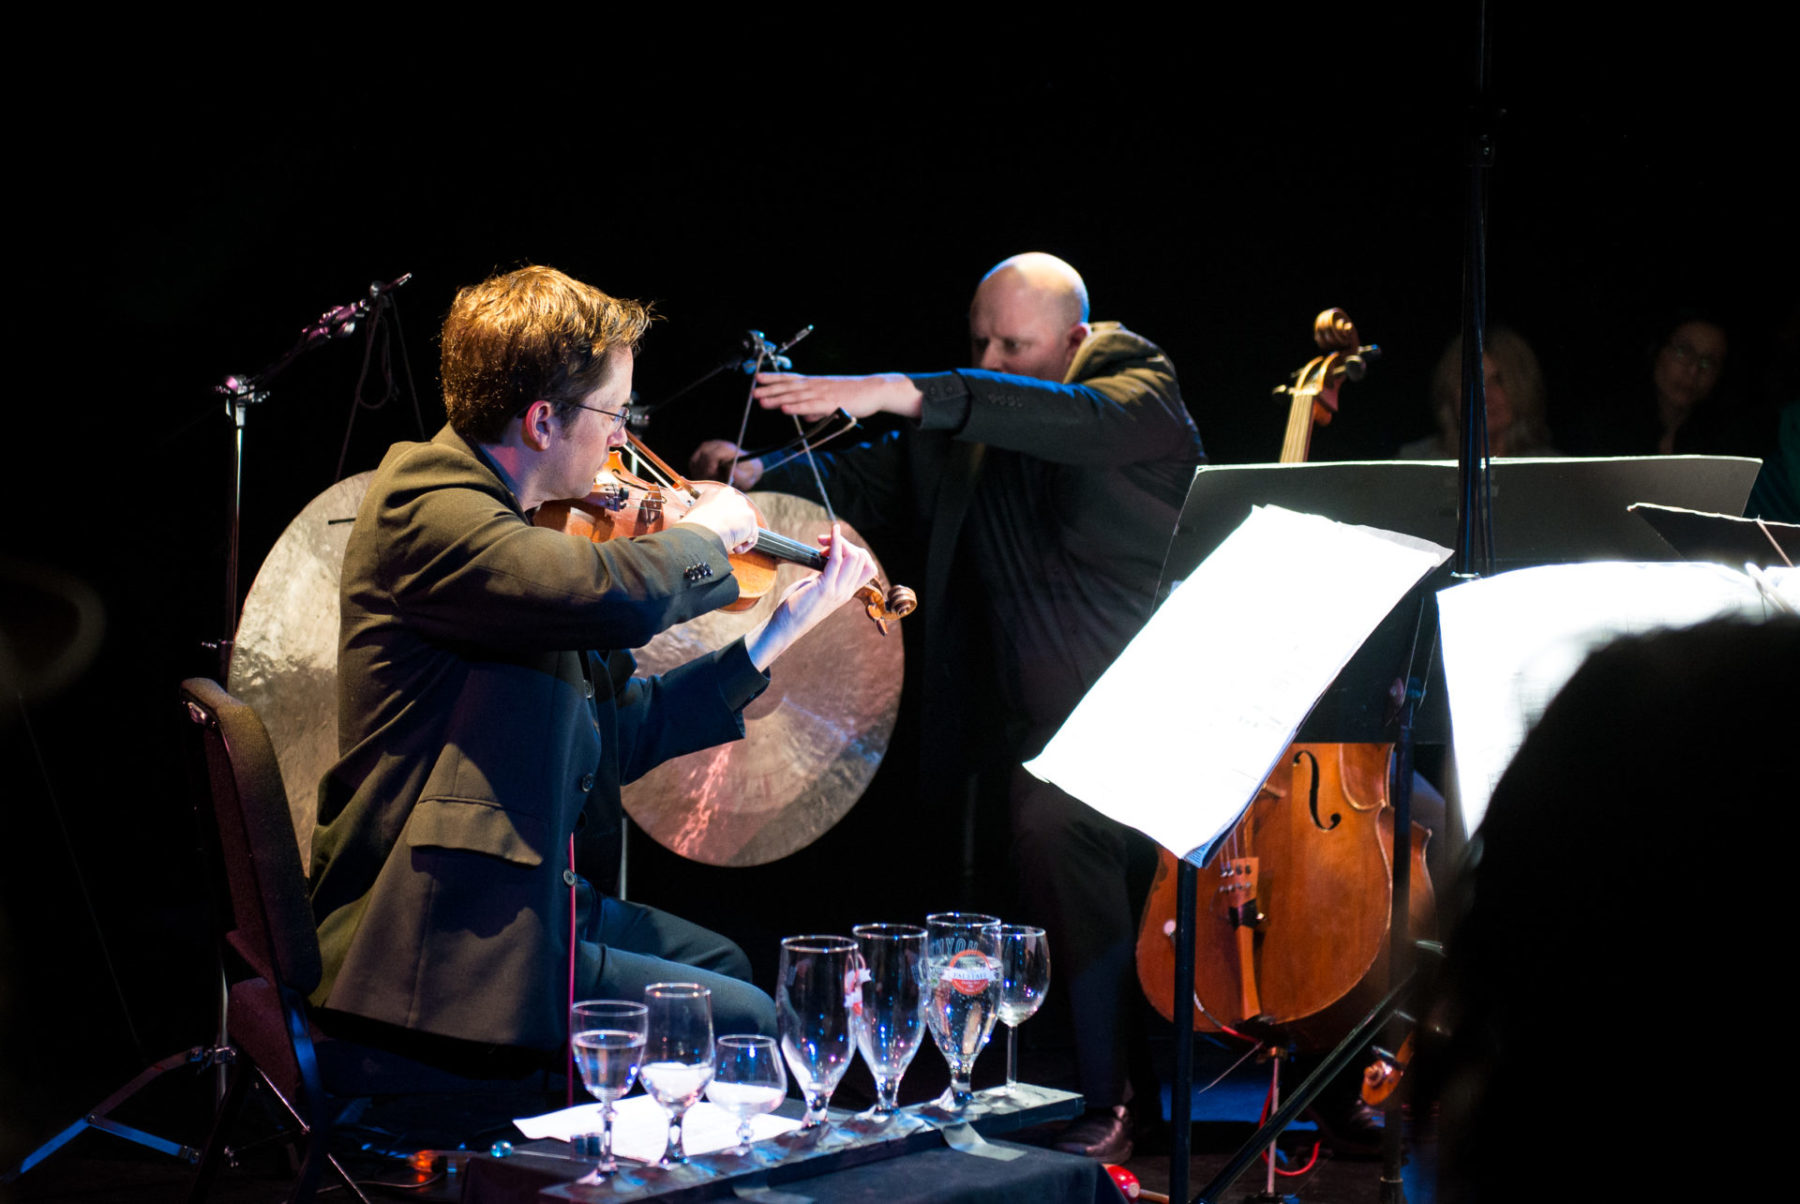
(641, 1127)
(1177, 735)
(1513, 640)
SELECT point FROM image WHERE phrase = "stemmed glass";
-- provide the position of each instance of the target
(678, 1053)
(608, 1038)
(1024, 977)
(962, 975)
(815, 994)
(892, 1020)
(747, 1081)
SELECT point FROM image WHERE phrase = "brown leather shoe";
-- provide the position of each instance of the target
(1103, 1134)
(1352, 1130)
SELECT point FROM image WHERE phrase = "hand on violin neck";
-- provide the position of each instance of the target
(726, 513)
(817, 396)
(811, 599)
(714, 458)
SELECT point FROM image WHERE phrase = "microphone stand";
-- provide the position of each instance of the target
(1472, 554)
(757, 344)
(242, 392)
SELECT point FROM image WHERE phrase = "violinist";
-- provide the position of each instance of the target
(1043, 484)
(487, 712)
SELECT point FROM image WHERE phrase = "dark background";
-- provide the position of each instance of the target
(192, 198)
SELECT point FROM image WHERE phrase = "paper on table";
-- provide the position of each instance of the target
(641, 1127)
(1513, 640)
(1177, 735)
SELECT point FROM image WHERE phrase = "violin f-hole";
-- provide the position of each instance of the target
(1312, 792)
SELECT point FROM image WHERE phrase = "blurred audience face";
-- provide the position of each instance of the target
(1499, 405)
(1688, 366)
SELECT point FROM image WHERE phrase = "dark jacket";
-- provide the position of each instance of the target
(476, 736)
(1096, 468)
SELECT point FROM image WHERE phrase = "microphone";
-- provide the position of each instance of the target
(340, 322)
(766, 355)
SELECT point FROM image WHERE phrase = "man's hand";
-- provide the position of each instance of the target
(712, 460)
(726, 513)
(817, 396)
(847, 568)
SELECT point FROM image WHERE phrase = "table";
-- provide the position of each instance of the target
(922, 1155)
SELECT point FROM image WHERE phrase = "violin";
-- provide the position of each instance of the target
(1294, 908)
(625, 505)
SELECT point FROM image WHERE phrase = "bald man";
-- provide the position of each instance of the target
(1043, 485)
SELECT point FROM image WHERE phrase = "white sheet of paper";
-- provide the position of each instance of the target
(1177, 735)
(1513, 640)
(641, 1127)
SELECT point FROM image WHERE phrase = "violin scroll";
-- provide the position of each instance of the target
(896, 603)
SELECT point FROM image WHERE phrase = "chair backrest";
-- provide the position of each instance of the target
(274, 928)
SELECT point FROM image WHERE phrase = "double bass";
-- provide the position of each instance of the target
(1294, 908)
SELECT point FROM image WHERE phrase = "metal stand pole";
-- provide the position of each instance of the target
(1181, 1103)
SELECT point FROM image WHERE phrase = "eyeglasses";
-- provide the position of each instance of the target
(1685, 355)
(620, 416)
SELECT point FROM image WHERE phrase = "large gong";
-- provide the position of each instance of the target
(284, 663)
(812, 740)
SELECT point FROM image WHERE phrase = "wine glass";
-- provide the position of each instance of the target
(607, 1036)
(892, 1020)
(678, 1053)
(747, 1080)
(962, 977)
(816, 991)
(1024, 977)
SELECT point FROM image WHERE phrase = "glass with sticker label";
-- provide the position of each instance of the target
(962, 983)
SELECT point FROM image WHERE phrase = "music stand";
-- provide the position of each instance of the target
(1721, 539)
(1555, 511)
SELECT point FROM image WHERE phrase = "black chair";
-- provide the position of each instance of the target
(310, 1071)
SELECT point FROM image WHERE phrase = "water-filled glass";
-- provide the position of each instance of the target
(607, 1036)
(748, 1080)
(678, 1053)
(962, 980)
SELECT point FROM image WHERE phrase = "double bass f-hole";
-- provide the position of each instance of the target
(1347, 789)
(1312, 790)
